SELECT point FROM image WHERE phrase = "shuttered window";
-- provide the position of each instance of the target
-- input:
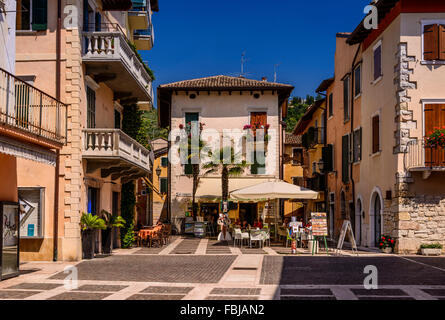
(434, 42)
(327, 156)
(346, 99)
(91, 108)
(164, 162)
(375, 134)
(331, 105)
(357, 156)
(358, 81)
(163, 185)
(39, 15)
(345, 159)
(189, 118)
(377, 62)
(441, 42)
(434, 118)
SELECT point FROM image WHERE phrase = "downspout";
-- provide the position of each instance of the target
(352, 130)
(57, 169)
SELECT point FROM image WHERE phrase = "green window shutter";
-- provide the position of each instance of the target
(39, 15)
(345, 159)
(164, 162)
(327, 158)
(164, 185)
(188, 169)
(191, 117)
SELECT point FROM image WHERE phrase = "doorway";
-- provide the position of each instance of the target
(377, 219)
(248, 212)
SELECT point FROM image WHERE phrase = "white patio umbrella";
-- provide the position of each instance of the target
(274, 190)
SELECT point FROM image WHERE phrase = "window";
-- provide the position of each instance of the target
(258, 168)
(331, 105)
(377, 62)
(434, 42)
(434, 115)
(31, 214)
(345, 159)
(258, 119)
(346, 98)
(328, 156)
(164, 162)
(32, 15)
(358, 81)
(117, 119)
(357, 143)
(93, 200)
(163, 185)
(375, 134)
(297, 156)
(189, 118)
(91, 108)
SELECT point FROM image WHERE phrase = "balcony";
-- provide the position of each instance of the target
(27, 110)
(144, 39)
(115, 154)
(313, 137)
(418, 157)
(109, 58)
(139, 18)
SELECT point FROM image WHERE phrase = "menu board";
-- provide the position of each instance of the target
(319, 224)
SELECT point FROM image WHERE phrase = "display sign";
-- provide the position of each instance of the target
(319, 224)
(346, 227)
(200, 229)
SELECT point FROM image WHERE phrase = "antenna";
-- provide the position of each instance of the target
(275, 67)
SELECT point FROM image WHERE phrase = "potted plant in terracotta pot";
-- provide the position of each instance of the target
(111, 222)
(433, 249)
(386, 244)
(89, 224)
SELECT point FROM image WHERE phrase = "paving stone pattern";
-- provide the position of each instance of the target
(216, 247)
(186, 246)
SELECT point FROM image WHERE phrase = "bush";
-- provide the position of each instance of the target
(431, 246)
(128, 203)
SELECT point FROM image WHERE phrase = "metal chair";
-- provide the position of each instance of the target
(256, 235)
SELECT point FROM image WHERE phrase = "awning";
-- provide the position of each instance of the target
(27, 151)
(210, 188)
(274, 190)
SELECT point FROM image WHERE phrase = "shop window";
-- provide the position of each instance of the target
(31, 202)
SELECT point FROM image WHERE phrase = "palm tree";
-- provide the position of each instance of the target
(229, 164)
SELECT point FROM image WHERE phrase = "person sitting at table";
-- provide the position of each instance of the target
(258, 224)
(237, 223)
(245, 225)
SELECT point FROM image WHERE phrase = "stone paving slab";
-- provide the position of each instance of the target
(216, 247)
(35, 286)
(177, 290)
(174, 269)
(100, 288)
(80, 296)
(10, 294)
(155, 297)
(236, 291)
(187, 246)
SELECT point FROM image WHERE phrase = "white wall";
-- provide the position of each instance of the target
(7, 36)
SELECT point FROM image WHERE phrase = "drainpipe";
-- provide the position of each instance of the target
(352, 129)
(57, 169)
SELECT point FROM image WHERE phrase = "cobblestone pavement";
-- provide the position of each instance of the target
(194, 269)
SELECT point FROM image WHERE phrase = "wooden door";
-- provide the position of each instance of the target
(434, 118)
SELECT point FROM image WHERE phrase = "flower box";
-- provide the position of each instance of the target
(431, 251)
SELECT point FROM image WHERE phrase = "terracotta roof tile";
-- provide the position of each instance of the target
(292, 139)
(224, 82)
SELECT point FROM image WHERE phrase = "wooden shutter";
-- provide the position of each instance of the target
(327, 158)
(434, 118)
(375, 134)
(441, 42)
(377, 62)
(164, 185)
(39, 15)
(431, 42)
(331, 105)
(346, 99)
(345, 159)
(164, 162)
(258, 118)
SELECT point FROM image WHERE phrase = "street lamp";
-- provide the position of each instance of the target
(158, 171)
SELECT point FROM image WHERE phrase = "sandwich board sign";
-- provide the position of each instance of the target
(319, 224)
(347, 227)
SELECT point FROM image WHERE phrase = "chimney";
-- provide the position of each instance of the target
(264, 79)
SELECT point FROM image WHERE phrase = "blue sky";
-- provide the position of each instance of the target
(198, 38)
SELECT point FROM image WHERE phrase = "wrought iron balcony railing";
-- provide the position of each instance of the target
(418, 156)
(29, 109)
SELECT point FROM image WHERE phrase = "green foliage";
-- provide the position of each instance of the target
(128, 204)
(436, 138)
(431, 246)
(150, 125)
(386, 242)
(91, 222)
(297, 108)
(135, 50)
(112, 221)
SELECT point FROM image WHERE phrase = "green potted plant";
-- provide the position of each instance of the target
(111, 222)
(386, 244)
(89, 224)
(433, 249)
(435, 138)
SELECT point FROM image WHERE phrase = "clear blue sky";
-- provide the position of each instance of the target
(198, 38)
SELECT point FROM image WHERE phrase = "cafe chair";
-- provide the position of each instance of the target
(288, 238)
(256, 236)
(266, 235)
